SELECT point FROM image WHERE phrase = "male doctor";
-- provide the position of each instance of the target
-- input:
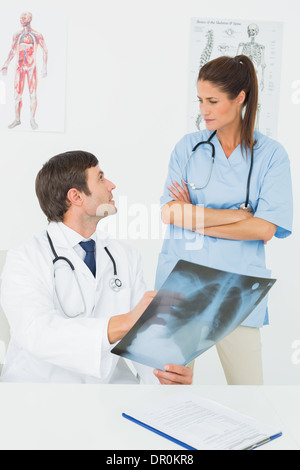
(65, 317)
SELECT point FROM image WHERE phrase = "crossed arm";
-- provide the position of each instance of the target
(218, 223)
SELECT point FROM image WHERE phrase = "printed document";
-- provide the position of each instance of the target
(197, 423)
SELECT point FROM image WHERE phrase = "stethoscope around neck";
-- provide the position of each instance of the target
(245, 206)
(115, 283)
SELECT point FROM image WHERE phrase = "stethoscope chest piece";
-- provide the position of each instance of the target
(115, 284)
(247, 208)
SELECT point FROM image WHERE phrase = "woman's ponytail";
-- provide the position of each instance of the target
(251, 102)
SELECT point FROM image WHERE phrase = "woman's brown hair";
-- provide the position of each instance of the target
(233, 75)
(60, 174)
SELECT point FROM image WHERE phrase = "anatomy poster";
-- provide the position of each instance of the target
(196, 307)
(261, 41)
(33, 49)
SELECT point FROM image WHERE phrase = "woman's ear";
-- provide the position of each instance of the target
(241, 98)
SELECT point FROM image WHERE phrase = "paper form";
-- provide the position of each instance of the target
(203, 424)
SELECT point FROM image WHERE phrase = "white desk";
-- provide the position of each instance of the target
(90, 416)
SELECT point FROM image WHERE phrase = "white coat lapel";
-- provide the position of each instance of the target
(103, 261)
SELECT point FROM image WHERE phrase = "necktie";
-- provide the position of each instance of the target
(89, 248)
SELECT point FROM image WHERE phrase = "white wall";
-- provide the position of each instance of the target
(127, 87)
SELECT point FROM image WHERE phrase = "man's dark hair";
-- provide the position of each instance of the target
(60, 174)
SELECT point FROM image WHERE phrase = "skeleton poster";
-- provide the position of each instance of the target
(33, 71)
(196, 307)
(261, 41)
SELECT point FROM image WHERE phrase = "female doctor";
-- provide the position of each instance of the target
(71, 292)
(233, 191)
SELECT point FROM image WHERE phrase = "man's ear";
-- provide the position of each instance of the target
(75, 197)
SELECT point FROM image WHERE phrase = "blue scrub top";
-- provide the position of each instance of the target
(270, 198)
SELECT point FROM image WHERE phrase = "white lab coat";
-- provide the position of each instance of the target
(46, 346)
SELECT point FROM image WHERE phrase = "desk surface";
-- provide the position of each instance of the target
(89, 417)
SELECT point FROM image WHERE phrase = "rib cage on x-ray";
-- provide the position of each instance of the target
(196, 307)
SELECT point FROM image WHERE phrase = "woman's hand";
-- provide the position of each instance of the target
(175, 375)
(180, 194)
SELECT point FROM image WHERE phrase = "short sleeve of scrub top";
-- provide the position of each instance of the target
(275, 203)
(270, 197)
(175, 169)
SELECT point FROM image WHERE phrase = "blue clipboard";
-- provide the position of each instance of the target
(186, 446)
(272, 438)
(156, 431)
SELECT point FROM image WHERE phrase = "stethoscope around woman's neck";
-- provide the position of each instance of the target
(245, 206)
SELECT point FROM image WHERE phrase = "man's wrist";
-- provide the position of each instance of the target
(118, 327)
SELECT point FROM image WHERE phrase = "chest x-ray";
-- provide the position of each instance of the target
(195, 309)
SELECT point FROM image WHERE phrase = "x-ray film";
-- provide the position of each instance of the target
(196, 308)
